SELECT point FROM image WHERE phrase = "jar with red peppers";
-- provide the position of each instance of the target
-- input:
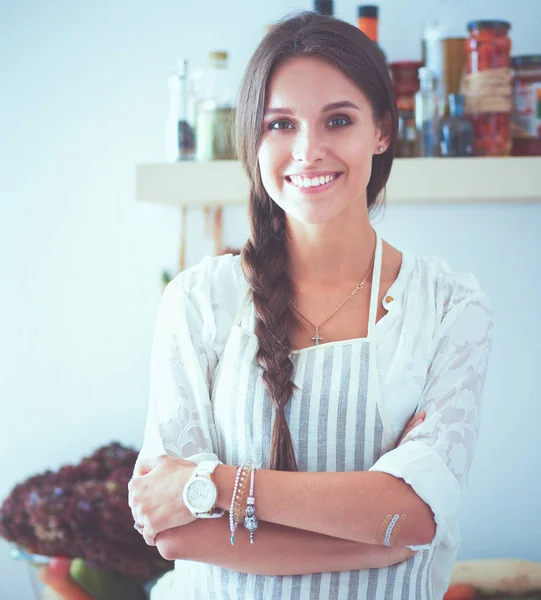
(526, 123)
(405, 75)
(487, 87)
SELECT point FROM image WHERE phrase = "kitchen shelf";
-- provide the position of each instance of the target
(412, 181)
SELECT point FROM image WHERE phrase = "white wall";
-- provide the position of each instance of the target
(83, 98)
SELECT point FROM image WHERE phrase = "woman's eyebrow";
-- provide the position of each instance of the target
(326, 108)
(342, 104)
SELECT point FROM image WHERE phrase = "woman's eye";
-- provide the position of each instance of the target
(339, 121)
(280, 125)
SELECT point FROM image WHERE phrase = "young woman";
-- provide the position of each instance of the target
(309, 355)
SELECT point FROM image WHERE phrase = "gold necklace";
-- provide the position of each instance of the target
(317, 338)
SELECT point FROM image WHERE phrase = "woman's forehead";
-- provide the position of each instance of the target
(310, 83)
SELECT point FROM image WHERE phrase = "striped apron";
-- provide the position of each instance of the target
(337, 423)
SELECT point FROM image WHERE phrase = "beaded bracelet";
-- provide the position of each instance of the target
(232, 524)
(242, 493)
(251, 522)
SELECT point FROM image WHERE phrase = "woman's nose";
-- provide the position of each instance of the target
(308, 147)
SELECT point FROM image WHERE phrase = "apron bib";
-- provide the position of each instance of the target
(336, 417)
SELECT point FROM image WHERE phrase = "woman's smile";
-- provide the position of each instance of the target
(312, 184)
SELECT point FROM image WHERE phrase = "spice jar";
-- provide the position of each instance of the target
(526, 120)
(405, 75)
(487, 87)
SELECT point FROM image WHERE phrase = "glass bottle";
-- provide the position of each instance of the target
(215, 114)
(457, 130)
(368, 22)
(180, 136)
(444, 43)
(526, 117)
(427, 114)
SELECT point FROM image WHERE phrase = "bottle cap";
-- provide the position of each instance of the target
(218, 55)
(425, 74)
(368, 11)
(182, 67)
(489, 24)
(324, 7)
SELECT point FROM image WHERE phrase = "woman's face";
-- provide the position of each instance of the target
(318, 129)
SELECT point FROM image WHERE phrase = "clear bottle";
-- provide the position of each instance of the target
(444, 43)
(179, 136)
(427, 113)
(456, 130)
(215, 114)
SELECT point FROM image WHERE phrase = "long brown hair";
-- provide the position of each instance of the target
(265, 254)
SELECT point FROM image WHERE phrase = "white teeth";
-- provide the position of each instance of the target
(311, 182)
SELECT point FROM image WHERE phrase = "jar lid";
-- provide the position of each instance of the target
(489, 24)
(368, 11)
(218, 55)
(526, 60)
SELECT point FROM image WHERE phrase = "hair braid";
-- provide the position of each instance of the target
(265, 262)
(265, 256)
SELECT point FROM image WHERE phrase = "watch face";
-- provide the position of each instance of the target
(201, 495)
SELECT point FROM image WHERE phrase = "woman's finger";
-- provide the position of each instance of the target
(149, 535)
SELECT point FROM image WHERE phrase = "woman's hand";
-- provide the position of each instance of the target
(415, 420)
(155, 495)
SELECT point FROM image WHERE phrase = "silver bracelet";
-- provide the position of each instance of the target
(251, 522)
(387, 538)
(232, 524)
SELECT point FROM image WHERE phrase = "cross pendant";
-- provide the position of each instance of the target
(317, 338)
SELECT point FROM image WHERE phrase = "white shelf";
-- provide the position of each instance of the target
(412, 181)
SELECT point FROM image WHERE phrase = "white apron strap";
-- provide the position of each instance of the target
(374, 388)
(374, 296)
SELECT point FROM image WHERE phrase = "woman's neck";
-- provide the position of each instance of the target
(331, 252)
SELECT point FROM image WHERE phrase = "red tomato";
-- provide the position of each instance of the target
(460, 591)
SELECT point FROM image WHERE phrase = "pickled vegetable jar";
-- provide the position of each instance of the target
(526, 121)
(405, 75)
(487, 87)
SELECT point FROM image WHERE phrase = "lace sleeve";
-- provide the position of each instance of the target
(436, 456)
(179, 420)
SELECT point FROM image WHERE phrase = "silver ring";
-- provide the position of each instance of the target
(138, 528)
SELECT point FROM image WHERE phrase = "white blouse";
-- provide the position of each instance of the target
(433, 347)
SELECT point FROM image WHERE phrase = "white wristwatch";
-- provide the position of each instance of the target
(200, 493)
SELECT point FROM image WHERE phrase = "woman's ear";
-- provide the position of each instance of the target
(384, 134)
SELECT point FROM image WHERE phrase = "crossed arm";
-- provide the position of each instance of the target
(278, 550)
(309, 523)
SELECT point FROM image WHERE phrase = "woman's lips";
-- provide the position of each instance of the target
(314, 189)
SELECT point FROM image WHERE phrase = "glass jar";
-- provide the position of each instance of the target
(487, 87)
(526, 121)
(405, 75)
